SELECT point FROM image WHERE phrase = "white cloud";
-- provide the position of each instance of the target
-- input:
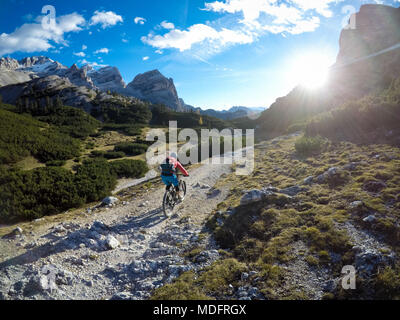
(320, 6)
(106, 19)
(159, 51)
(125, 40)
(145, 58)
(92, 64)
(292, 16)
(84, 47)
(245, 21)
(140, 20)
(79, 54)
(102, 50)
(167, 25)
(184, 39)
(32, 37)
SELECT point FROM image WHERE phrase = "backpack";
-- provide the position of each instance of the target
(167, 169)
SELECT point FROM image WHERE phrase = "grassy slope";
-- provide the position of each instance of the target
(263, 236)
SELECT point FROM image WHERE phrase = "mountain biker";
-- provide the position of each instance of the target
(169, 172)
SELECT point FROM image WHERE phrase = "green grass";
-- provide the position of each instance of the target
(263, 235)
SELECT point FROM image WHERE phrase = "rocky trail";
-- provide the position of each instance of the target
(118, 251)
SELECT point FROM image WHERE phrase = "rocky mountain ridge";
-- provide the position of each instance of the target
(151, 86)
(368, 60)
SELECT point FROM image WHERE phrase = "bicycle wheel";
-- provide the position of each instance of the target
(168, 203)
(182, 187)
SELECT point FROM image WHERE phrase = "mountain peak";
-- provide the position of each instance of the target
(154, 87)
(74, 67)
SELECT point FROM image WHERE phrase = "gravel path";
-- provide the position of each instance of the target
(119, 252)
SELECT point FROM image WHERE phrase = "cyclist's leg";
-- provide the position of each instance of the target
(175, 182)
(165, 180)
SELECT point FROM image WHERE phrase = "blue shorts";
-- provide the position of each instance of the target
(168, 180)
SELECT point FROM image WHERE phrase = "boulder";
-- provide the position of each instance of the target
(111, 243)
(252, 196)
(293, 191)
(333, 176)
(370, 219)
(309, 180)
(109, 200)
(356, 204)
(122, 296)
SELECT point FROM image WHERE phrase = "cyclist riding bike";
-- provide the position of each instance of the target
(169, 173)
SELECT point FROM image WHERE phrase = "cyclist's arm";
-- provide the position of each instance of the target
(182, 169)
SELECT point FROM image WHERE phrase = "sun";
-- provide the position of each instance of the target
(311, 70)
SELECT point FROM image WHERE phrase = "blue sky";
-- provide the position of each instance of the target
(220, 53)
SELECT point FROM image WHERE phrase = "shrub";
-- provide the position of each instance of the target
(114, 155)
(97, 154)
(27, 195)
(359, 120)
(56, 163)
(95, 179)
(129, 168)
(21, 135)
(132, 149)
(310, 145)
(36, 193)
(388, 284)
(107, 155)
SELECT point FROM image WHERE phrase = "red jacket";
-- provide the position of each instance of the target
(178, 165)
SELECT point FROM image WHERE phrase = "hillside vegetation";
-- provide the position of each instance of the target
(294, 240)
(52, 134)
(84, 157)
(374, 118)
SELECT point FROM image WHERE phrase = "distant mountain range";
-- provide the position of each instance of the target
(152, 86)
(234, 113)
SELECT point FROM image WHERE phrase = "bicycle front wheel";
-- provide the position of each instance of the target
(168, 204)
(182, 188)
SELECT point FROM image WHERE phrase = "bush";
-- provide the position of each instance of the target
(27, 195)
(21, 135)
(95, 179)
(310, 145)
(114, 155)
(56, 163)
(129, 168)
(115, 112)
(97, 154)
(69, 120)
(360, 121)
(107, 155)
(128, 129)
(132, 149)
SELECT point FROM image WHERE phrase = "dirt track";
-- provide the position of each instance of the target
(71, 260)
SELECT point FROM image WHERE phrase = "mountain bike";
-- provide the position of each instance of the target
(171, 197)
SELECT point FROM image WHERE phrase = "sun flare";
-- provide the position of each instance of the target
(311, 70)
